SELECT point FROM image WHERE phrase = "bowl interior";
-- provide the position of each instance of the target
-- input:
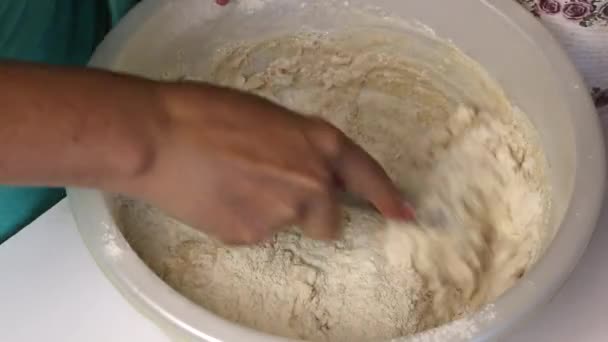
(167, 38)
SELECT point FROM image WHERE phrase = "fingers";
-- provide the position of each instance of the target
(321, 217)
(358, 172)
(362, 175)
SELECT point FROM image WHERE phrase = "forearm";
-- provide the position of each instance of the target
(75, 127)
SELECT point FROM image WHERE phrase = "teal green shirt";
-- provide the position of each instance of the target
(63, 32)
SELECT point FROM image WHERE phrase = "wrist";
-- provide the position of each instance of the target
(144, 133)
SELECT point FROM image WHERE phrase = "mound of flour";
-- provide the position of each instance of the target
(475, 177)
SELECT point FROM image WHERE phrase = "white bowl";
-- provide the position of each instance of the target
(508, 42)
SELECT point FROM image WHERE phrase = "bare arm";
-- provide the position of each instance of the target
(231, 164)
(75, 127)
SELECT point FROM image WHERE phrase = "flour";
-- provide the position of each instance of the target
(471, 167)
(111, 247)
(251, 6)
(489, 214)
(460, 330)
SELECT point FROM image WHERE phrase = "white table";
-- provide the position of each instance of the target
(52, 290)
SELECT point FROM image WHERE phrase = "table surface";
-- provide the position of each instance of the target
(52, 290)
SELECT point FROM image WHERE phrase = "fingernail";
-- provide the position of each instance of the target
(222, 2)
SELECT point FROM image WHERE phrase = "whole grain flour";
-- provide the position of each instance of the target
(474, 173)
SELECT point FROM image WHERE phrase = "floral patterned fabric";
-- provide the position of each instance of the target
(582, 28)
(585, 12)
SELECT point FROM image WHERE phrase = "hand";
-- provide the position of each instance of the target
(240, 168)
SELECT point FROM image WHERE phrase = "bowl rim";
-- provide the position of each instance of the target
(180, 316)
